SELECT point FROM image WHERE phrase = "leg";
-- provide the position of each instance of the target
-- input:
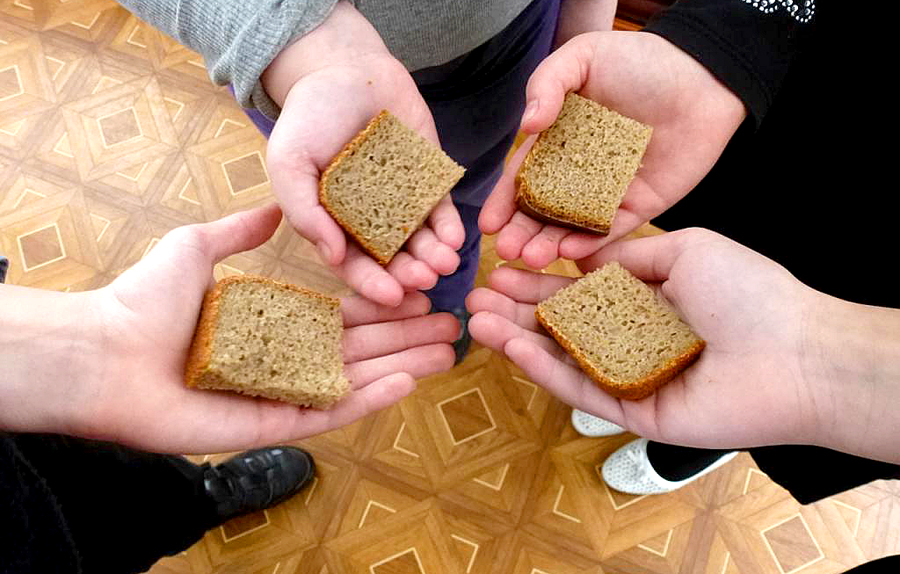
(477, 101)
(124, 509)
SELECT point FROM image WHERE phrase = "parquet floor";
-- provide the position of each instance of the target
(111, 134)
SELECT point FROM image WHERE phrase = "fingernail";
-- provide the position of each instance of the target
(324, 252)
(530, 110)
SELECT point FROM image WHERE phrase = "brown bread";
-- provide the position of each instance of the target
(622, 334)
(264, 338)
(578, 170)
(383, 185)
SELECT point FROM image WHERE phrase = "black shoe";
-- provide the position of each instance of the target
(257, 479)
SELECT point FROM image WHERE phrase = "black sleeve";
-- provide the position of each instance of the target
(748, 45)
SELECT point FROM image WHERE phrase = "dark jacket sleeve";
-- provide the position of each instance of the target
(749, 45)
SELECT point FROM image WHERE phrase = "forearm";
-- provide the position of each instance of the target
(853, 361)
(48, 350)
(237, 39)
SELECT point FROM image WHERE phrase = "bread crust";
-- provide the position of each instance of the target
(525, 203)
(632, 391)
(196, 371)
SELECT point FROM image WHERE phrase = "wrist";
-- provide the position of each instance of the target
(344, 36)
(852, 366)
(51, 352)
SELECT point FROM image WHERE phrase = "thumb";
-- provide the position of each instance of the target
(241, 231)
(202, 245)
(563, 71)
(649, 258)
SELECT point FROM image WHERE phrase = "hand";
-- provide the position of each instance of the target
(783, 363)
(330, 83)
(642, 76)
(123, 376)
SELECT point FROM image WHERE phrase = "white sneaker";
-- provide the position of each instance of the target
(629, 470)
(589, 425)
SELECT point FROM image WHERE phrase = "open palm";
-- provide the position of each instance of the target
(148, 318)
(746, 389)
(332, 82)
(642, 76)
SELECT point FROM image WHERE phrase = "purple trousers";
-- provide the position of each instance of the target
(477, 101)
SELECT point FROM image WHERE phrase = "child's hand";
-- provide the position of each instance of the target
(644, 77)
(330, 83)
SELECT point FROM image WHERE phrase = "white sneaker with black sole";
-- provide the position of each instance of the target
(629, 470)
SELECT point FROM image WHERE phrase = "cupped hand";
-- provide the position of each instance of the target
(330, 83)
(747, 388)
(642, 76)
(147, 318)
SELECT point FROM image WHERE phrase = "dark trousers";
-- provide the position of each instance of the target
(803, 190)
(477, 102)
(120, 510)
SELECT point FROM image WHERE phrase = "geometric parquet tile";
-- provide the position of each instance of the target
(111, 134)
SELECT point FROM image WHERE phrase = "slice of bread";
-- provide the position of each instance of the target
(264, 338)
(578, 170)
(383, 185)
(622, 334)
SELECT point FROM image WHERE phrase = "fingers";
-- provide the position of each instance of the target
(543, 248)
(357, 310)
(418, 362)
(494, 331)
(515, 235)
(427, 247)
(649, 258)
(241, 231)
(562, 379)
(381, 339)
(369, 279)
(500, 205)
(447, 225)
(286, 423)
(297, 186)
(521, 314)
(526, 286)
(563, 71)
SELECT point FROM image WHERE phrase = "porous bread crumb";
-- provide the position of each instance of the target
(384, 184)
(578, 170)
(264, 338)
(622, 333)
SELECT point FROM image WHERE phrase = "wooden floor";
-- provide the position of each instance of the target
(111, 134)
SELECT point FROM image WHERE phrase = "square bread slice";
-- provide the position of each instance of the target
(263, 338)
(624, 335)
(383, 185)
(578, 170)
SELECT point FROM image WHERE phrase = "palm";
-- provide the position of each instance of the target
(644, 77)
(744, 390)
(149, 316)
(341, 77)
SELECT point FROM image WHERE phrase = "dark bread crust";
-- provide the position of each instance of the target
(632, 390)
(525, 201)
(196, 371)
(348, 150)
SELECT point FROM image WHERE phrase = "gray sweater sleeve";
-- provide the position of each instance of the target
(237, 38)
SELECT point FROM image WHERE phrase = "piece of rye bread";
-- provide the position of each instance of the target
(576, 173)
(383, 185)
(623, 334)
(269, 339)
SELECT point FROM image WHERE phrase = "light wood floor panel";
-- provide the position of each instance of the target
(111, 134)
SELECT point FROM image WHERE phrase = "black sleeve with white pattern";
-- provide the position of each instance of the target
(748, 45)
